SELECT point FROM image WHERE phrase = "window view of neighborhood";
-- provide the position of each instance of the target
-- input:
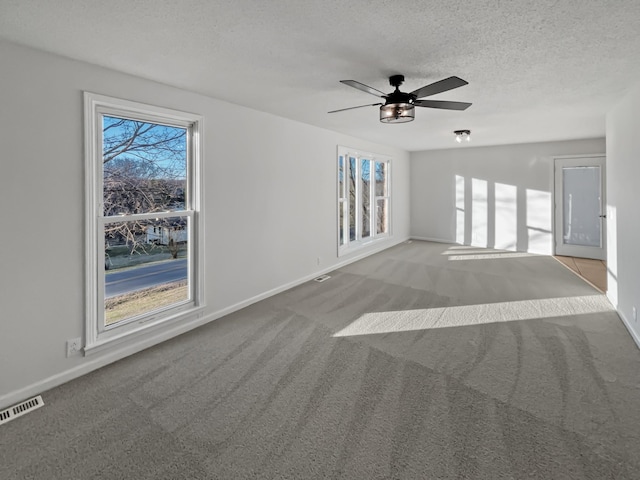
(145, 218)
(363, 201)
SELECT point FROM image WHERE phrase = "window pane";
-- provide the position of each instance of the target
(382, 215)
(352, 198)
(341, 206)
(365, 174)
(581, 200)
(381, 179)
(341, 177)
(146, 266)
(341, 199)
(144, 167)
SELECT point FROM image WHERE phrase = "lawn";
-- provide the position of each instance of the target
(144, 301)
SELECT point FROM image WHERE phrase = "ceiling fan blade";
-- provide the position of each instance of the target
(359, 106)
(442, 104)
(364, 88)
(439, 87)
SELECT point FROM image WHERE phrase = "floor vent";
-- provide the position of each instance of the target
(321, 278)
(20, 409)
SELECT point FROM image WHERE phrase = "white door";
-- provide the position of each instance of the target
(579, 207)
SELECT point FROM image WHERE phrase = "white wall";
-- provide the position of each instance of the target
(270, 208)
(496, 197)
(623, 209)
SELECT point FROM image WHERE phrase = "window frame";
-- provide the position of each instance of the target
(345, 243)
(97, 334)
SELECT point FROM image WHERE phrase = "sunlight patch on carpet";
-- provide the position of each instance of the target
(424, 319)
(490, 256)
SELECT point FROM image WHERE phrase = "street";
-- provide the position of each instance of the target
(144, 276)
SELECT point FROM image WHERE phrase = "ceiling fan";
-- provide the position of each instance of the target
(399, 107)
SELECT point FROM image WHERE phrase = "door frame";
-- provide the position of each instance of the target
(578, 250)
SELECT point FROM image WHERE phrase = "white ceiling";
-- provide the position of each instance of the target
(537, 71)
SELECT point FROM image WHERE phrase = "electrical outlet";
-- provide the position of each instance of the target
(318, 261)
(73, 347)
(634, 314)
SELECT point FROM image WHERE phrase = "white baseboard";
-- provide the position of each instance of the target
(625, 321)
(632, 332)
(433, 239)
(161, 335)
(90, 364)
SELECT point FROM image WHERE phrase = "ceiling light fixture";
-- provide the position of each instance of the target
(462, 135)
(399, 106)
(397, 113)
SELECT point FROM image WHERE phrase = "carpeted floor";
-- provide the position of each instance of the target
(426, 361)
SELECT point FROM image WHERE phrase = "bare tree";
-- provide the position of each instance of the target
(144, 171)
(173, 247)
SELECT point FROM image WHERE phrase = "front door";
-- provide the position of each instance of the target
(579, 207)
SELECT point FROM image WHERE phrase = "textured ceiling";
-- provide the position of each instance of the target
(537, 71)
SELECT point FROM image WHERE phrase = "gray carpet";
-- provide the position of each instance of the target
(426, 361)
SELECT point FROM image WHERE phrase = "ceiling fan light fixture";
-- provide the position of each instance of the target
(397, 113)
(462, 135)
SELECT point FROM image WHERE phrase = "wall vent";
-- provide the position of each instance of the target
(321, 278)
(20, 409)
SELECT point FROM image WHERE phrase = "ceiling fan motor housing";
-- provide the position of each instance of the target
(398, 97)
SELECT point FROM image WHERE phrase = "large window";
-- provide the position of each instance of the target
(143, 217)
(363, 198)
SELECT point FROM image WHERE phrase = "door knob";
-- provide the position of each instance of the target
(602, 216)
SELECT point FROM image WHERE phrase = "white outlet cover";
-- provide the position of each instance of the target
(73, 346)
